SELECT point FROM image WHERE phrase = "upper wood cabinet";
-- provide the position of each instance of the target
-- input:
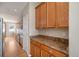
(52, 15)
(38, 17)
(62, 14)
(43, 17)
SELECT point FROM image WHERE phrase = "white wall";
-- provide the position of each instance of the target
(25, 29)
(32, 30)
(9, 18)
(10, 31)
(74, 29)
(28, 25)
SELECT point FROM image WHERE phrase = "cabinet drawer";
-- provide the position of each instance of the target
(52, 51)
(56, 53)
(44, 53)
(35, 43)
(46, 48)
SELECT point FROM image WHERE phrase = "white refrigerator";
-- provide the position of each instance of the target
(1, 36)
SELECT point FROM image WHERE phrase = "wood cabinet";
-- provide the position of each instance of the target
(40, 50)
(44, 53)
(51, 21)
(38, 17)
(52, 15)
(62, 14)
(43, 12)
(37, 51)
(34, 49)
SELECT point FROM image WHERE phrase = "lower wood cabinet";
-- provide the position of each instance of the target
(44, 53)
(32, 50)
(35, 49)
(40, 50)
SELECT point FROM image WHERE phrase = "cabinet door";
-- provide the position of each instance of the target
(62, 14)
(44, 53)
(38, 17)
(37, 51)
(51, 14)
(43, 15)
(32, 49)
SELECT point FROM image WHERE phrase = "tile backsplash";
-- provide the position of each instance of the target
(56, 32)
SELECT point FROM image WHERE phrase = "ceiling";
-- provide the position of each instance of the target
(11, 9)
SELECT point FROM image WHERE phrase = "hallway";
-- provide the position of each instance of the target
(12, 48)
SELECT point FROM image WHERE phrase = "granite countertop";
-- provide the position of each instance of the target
(59, 44)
